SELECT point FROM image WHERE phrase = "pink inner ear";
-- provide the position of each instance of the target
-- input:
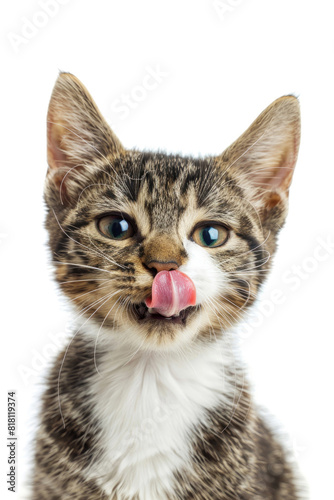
(280, 175)
(283, 177)
(275, 178)
(56, 157)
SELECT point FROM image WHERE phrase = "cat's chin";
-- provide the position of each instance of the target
(144, 315)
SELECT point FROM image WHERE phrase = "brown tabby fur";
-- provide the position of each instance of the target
(235, 455)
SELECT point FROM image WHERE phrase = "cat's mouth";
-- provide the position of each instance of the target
(172, 299)
(145, 314)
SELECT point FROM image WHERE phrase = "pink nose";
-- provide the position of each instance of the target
(158, 265)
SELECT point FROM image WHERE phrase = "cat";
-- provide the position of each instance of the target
(161, 256)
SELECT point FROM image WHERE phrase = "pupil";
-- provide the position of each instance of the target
(118, 228)
(209, 235)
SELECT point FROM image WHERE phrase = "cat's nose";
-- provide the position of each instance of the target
(158, 265)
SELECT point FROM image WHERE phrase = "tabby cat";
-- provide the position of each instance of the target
(161, 255)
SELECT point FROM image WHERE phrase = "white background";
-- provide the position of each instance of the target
(220, 70)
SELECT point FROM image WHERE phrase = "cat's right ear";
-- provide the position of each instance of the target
(263, 159)
(78, 137)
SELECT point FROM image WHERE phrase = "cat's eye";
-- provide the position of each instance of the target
(115, 227)
(210, 235)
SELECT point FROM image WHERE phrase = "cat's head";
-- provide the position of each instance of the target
(121, 220)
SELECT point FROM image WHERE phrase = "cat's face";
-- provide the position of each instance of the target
(118, 219)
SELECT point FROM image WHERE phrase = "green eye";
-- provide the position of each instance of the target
(210, 235)
(115, 227)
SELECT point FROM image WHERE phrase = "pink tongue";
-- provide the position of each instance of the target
(172, 291)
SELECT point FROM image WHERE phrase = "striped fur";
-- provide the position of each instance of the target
(154, 410)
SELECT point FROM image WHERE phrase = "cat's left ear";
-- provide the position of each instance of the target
(262, 160)
(77, 136)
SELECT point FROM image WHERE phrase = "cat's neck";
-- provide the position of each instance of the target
(197, 359)
(149, 403)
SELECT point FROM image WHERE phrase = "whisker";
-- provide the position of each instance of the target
(82, 265)
(252, 250)
(99, 330)
(64, 357)
(102, 287)
(88, 279)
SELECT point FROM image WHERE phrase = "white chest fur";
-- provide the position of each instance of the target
(148, 404)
